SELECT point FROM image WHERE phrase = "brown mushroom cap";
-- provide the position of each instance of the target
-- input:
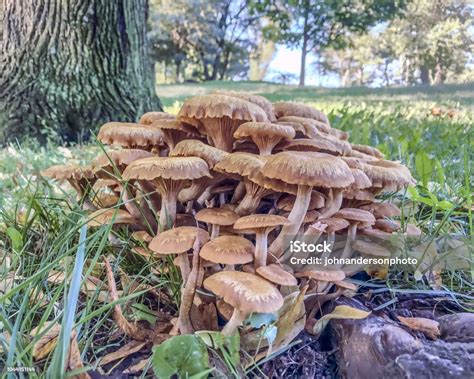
(129, 135)
(275, 274)
(107, 216)
(142, 236)
(174, 168)
(225, 310)
(265, 135)
(64, 172)
(308, 123)
(299, 129)
(370, 249)
(388, 226)
(178, 240)
(382, 210)
(260, 221)
(103, 165)
(310, 216)
(288, 108)
(322, 276)
(346, 285)
(355, 214)
(261, 101)
(246, 292)
(241, 164)
(316, 145)
(369, 150)
(308, 169)
(361, 180)
(334, 224)
(362, 157)
(149, 117)
(174, 131)
(287, 202)
(217, 216)
(388, 174)
(230, 250)
(195, 148)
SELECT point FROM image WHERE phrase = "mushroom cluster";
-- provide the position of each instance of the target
(222, 184)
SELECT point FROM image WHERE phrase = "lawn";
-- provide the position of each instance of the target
(428, 129)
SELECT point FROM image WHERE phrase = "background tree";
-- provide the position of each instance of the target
(312, 25)
(432, 39)
(71, 65)
(215, 38)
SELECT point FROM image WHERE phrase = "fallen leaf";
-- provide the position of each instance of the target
(138, 367)
(340, 312)
(428, 327)
(126, 350)
(47, 342)
(292, 310)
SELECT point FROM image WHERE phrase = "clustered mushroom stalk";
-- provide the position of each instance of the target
(333, 203)
(253, 195)
(169, 190)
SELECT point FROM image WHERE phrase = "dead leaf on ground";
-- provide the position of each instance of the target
(47, 342)
(138, 367)
(126, 350)
(340, 312)
(428, 327)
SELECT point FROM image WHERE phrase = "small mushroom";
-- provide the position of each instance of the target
(149, 117)
(247, 293)
(276, 274)
(130, 135)
(174, 131)
(216, 217)
(228, 250)
(261, 225)
(290, 108)
(265, 135)
(179, 241)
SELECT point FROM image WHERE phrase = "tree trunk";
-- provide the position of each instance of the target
(424, 75)
(304, 48)
(71, 65)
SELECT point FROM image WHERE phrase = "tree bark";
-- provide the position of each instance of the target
(69, 66)
(304, 48)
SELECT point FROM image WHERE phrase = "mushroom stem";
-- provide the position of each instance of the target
(184, 321)
(351, 234)
(313, 233)
(168, 211)
(129, 203)
(261, 249)
(215, 231)
(154, 196)
(252, 198)
(239, 193)
(321, 300)
(206, 195)
(184, 266)
(333, 203)
(331, 238)
(235, 321)
(296, 216)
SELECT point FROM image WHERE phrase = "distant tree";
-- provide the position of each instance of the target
(217, 37)
(71, 65)
(433, 39)
(312, 25)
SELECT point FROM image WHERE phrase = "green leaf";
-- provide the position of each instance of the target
(423, 166)
(257, 320)
(184, 356)
(439, 173)
(445, 205)
(142, 312)
(227, 346)
(16, 238)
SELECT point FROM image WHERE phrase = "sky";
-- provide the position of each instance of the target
(288, 61)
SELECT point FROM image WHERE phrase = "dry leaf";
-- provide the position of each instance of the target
(340, 312)
(428, 327)
(47, 342)
(126, 350)
(292, 310)
(138, 367)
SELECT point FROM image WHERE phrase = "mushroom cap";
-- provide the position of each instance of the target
(261, 101)
(276, 185)
(63, 172)
(119, 158)
(413, 230)
(386, 173)
(370, 248)
(164, 124)
(106, 216)
(174, 168)
(334, 224)
(217, 216)
(382, 210)
(309, 169)
(346, 285)
(322, 276)
(304, 144)
(257, 221)
(224, 309)
(129, 135)
(218, 106)
(191, 147)
(317, 201)
(149, 117)
(289, 108)
(228, 250)
(364, 195)
(356, 214)
(388, 226)
(242, 164)
(361, 180)
(264, 129)
(246, 292)
(106, 183)
(362, 156)
(298, 128)
(308, 123)
(310, 216)
(275, 274)
(369, 150)
(142, 236)
(353, 162)
(178, 240)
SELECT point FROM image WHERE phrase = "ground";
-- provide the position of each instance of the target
(430, 129)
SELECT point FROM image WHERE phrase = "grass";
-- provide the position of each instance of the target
(40, 231)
